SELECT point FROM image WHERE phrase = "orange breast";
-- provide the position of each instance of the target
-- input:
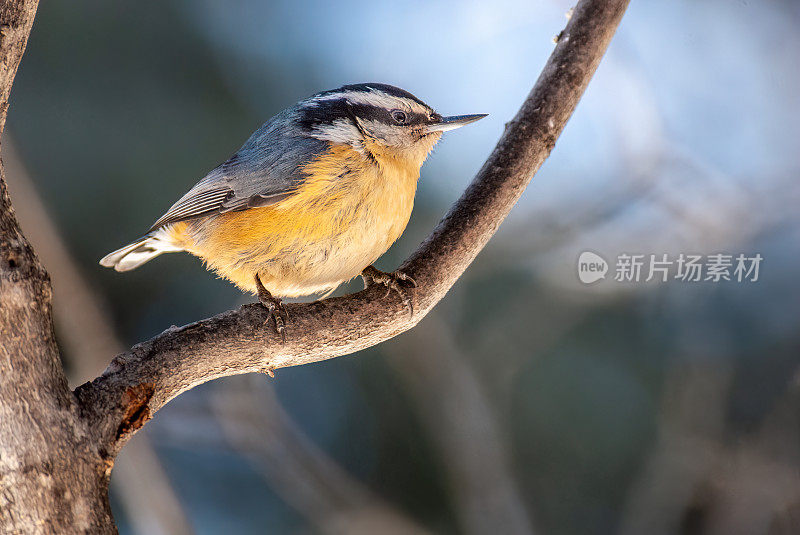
(340, 220)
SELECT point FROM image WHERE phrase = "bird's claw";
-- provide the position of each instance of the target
(277, 313)
(275, 309)
(393, 281)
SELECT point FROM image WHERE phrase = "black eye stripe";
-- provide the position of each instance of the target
(372, 113)
(329, 111)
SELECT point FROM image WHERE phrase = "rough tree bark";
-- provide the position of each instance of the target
(50, 477)
(57, 447)
(86, 340)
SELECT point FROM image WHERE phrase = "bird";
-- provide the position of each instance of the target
(312, 199)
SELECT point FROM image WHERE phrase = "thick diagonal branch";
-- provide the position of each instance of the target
(153, 372)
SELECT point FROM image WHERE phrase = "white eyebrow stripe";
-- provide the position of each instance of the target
(373, 97)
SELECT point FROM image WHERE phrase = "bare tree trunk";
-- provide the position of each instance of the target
(86, 340)
(57, 447)
(52, 477)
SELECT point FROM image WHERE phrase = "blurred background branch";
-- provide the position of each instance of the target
(256, 425)
(451, 404)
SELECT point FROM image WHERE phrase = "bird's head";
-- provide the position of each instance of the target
(380, 120)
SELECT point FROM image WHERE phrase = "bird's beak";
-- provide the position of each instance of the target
(455, 121)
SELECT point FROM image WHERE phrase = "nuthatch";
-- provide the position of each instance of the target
(311, 200)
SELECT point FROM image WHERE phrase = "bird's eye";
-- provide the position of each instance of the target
(399, 116)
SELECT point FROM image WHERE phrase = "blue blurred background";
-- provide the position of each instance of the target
(528, 401)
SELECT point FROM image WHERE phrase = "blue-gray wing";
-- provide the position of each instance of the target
(267, 169)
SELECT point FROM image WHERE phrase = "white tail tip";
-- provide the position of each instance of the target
(137, 253)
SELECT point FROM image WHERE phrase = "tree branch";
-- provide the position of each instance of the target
(139, 382)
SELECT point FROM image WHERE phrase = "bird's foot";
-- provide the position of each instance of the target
(277, 312)
(394, 281)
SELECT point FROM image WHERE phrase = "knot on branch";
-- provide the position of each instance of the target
(137, 412)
